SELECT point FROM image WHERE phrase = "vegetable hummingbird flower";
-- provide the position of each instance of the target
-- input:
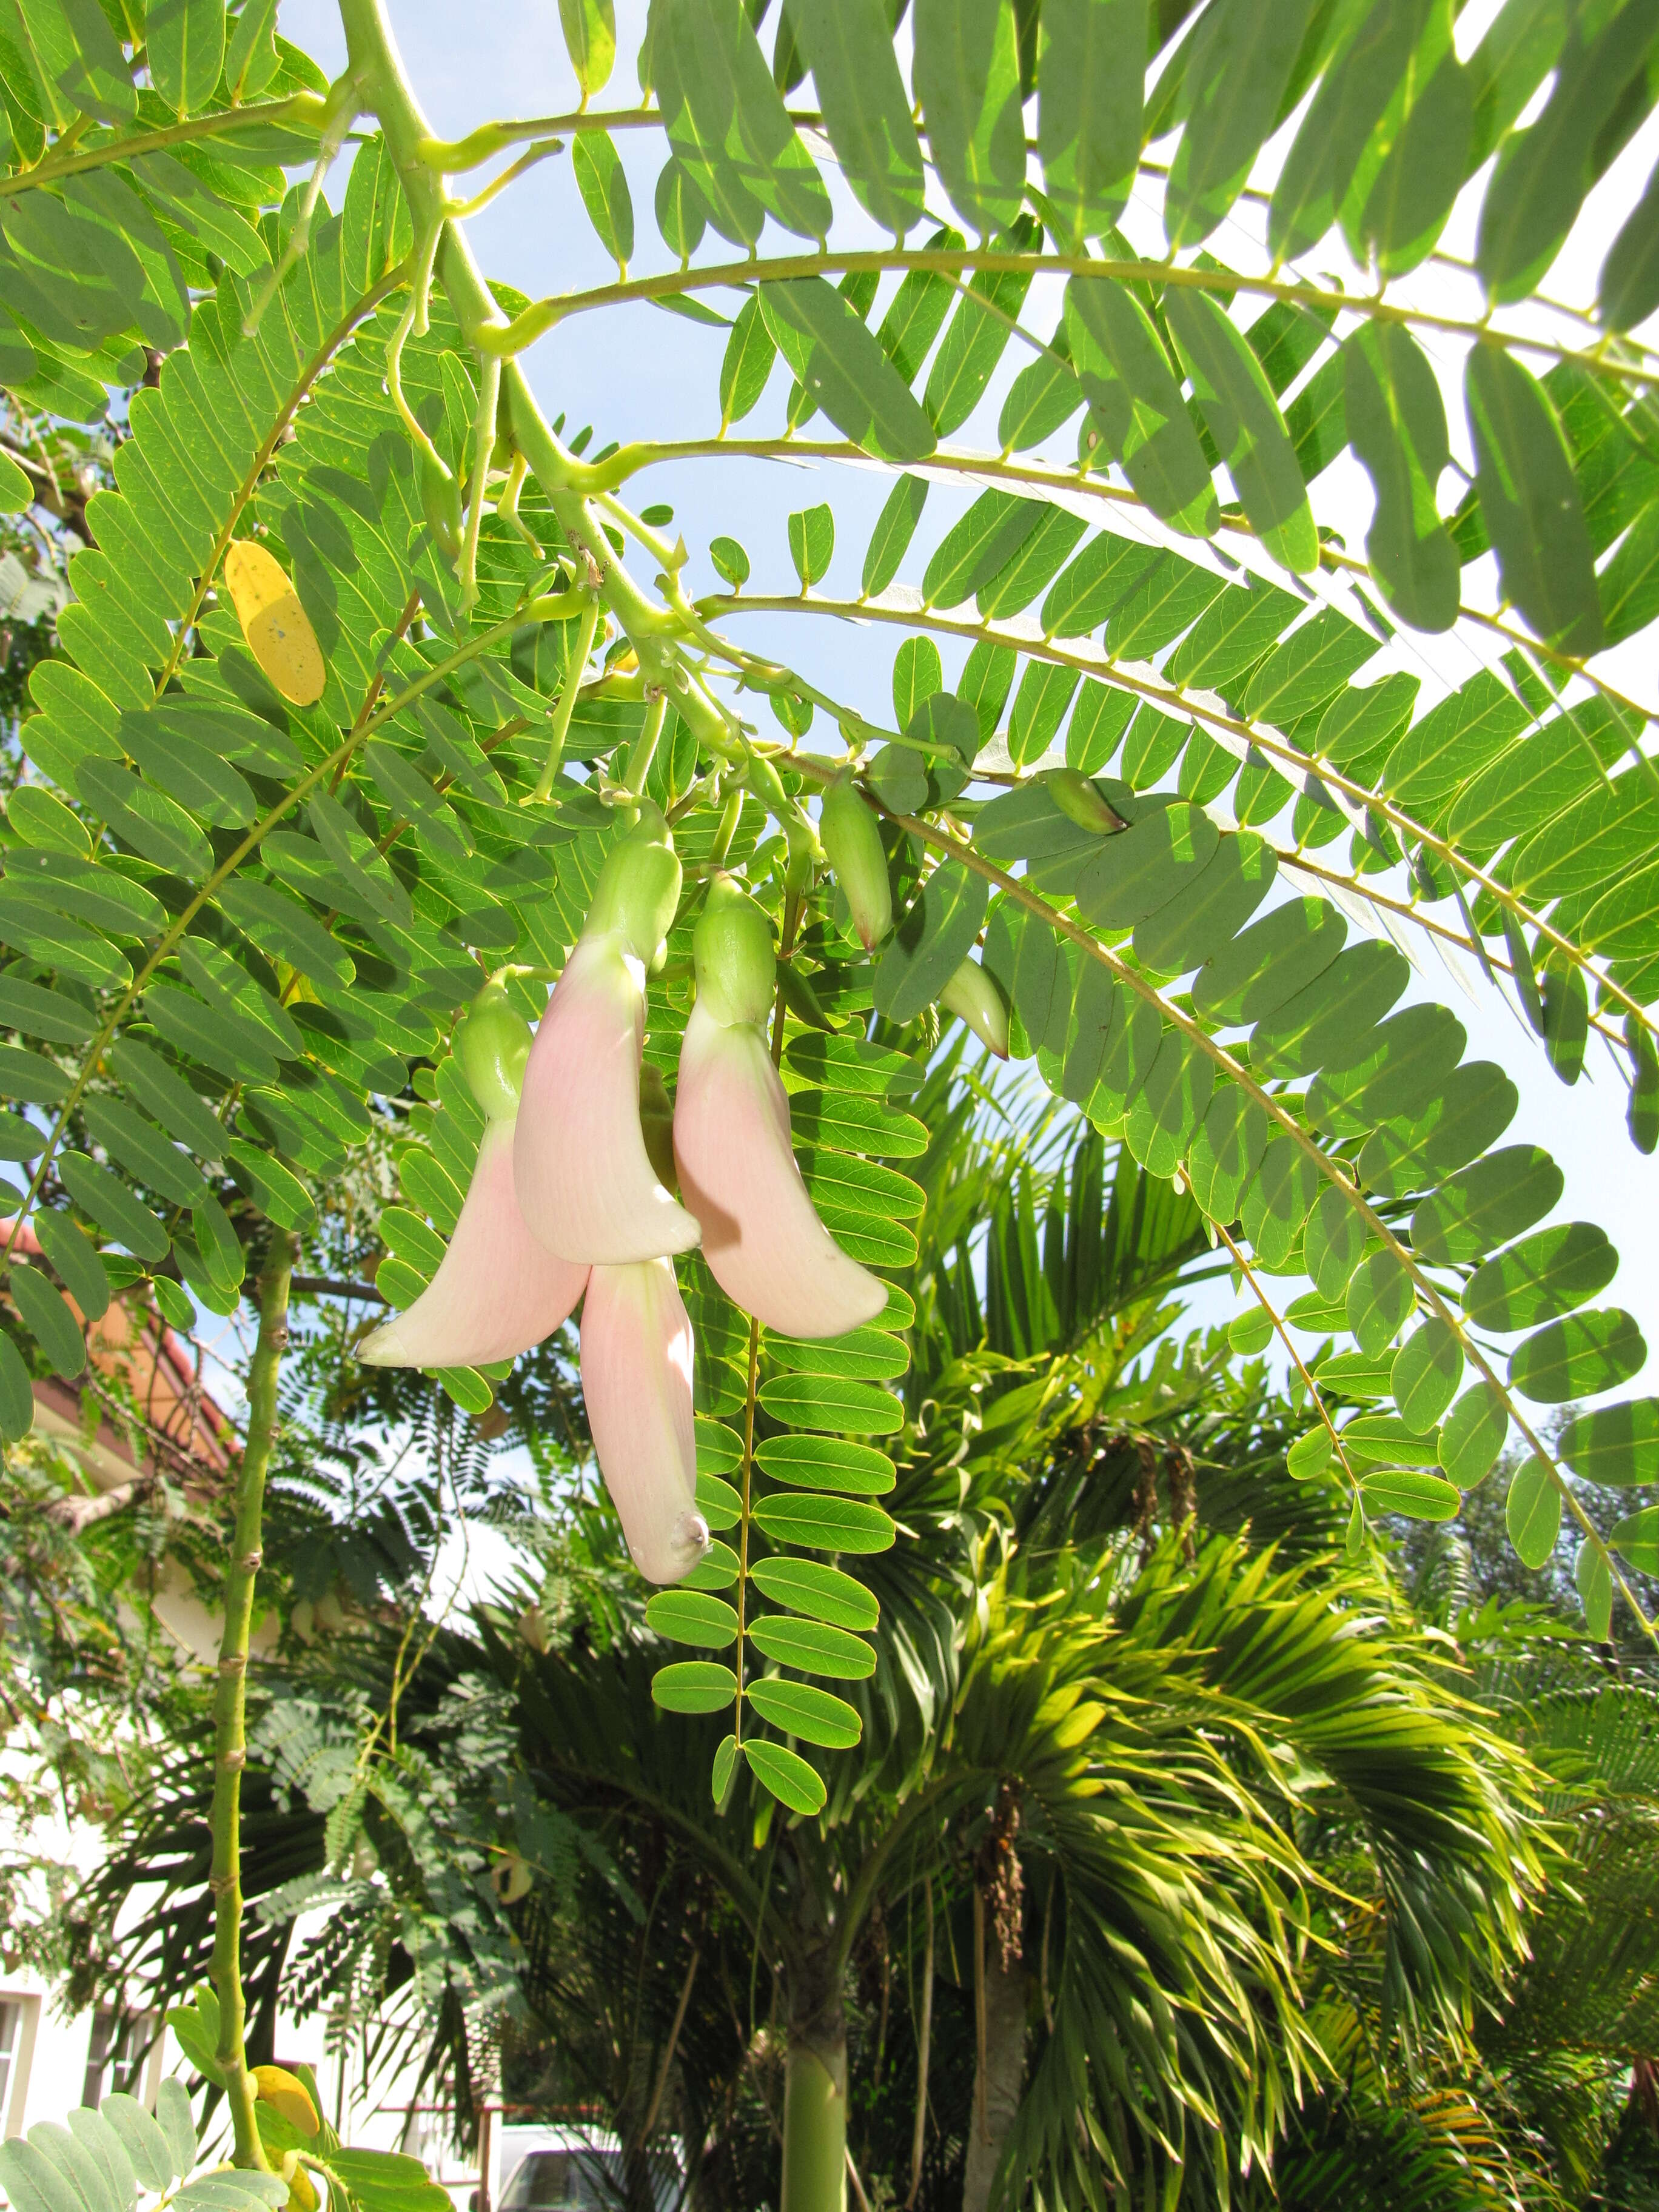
(585, 1179)
(636, 1380)
(764, 1243)
(497, 1290)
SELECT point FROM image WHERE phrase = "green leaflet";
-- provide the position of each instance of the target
(1421, 1496)
(1334, 1243)
(967, 78)
(1629, 289)
(1266, 965)
(1380, 1300)
(1530, 500)
(1170, 1104)
(694, 1686)
(1211, 911)
(112, 1206)
(1532, 1513)
(1426, 1372)
(1277, 1199)
(75, 1258)
(1332, 1021)
(689, 1617)
(785, 1774)
(827, 1464)
(1544, 172)
(1350, 100)
(822, 1593)
(822, 1402)
(1135, 402)
(728, 128)
(1547, 1275)
(1240, 65)
(931, 941)
(16, 1419)
(816, 1716)
(1226, 1151)
(844, 369)
(603, 184)
(896, 526)
(1243, 419)
(1615, 1445)
(139, 1147)
(745, 366)
(813, 1648)
(1089, 110)
(976, 340)
(848, 47)
(1477, 1105)
(184, 45)
(47, 1319)
(1141, 869)
(1577, 1357)
(823, 1524)
(1397, 426)
(590, 37)
(1471, 1436)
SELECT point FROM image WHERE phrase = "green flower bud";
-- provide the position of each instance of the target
(440, 503)
(732, 945)
(493, 1043)
(852, 841)
(639, 888)
(1079, 801)
(975, 998)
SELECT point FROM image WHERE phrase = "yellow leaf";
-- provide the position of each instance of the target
(286, 2093)
(276, 627)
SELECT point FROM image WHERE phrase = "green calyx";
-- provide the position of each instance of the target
(1079, 801)
(852, 841)
(639, 888)
(493, 1043)
(732, 945)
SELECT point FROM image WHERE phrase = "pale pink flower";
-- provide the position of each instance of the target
(762, 1237)
(636, 1380)
(585, 1183)
(497, 1291)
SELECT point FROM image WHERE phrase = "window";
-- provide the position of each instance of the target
(116, 2054)
(11, 2037)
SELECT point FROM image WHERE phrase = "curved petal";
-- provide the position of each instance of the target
(764, 1243)
(636, 1380)
(496, 1292)
(585, 1183)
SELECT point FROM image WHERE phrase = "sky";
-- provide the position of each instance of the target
(637, 371)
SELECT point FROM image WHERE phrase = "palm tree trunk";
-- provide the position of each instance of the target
(1000, 2076)
(815, 2086)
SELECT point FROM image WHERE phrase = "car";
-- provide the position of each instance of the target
(572, 2169)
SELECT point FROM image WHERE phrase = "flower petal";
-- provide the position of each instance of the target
(585, 1183)
(636, 1380)
(496, 1292)
(764, 1243)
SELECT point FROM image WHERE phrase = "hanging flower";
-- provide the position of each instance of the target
(584, 1180)
(636, 1380)
(497, 1291)
(764, 1241)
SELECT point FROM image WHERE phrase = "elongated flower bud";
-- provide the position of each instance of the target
(636, 1380)
(975, 998)
(762, 1237)
(497, 1291)
(585, 1179)
(1077, 799)
(852, 841)
(493, 1044)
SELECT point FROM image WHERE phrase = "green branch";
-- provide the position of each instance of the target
(543, 315)
(937, 840)
(305, 108)
(230, 1698)
(1175, 700)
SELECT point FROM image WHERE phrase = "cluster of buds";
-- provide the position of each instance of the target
(573, 1197)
